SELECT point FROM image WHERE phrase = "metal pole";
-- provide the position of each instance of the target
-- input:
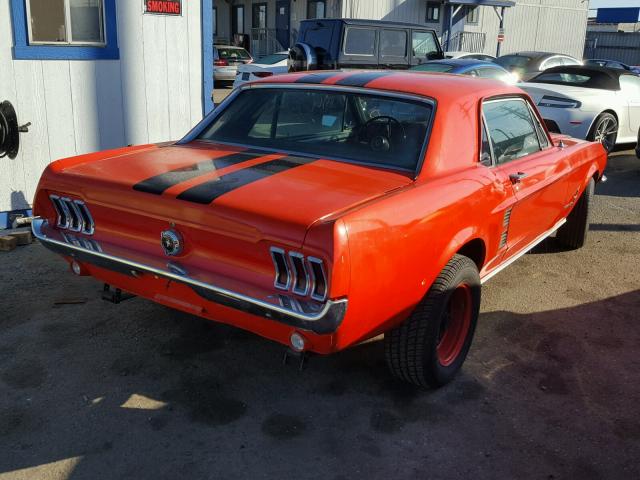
(450, 27)
(500, 30)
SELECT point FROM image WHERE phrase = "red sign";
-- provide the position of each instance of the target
(501, 37)
(163, 7)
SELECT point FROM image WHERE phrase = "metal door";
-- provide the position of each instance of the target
(283, 22)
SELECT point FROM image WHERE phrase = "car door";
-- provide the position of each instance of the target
(630, 90)
(536, 170)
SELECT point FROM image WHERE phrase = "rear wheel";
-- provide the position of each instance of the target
(573, 234)
(605, 131)
(429, 348)
(638, 145)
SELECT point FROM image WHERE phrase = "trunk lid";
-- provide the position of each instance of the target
(245, 194)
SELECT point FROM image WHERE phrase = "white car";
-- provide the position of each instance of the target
(274, 64)
(226, 61)
(470, 56)
(594, 103)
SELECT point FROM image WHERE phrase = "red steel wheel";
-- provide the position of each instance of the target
(430, 346)
(455, 326)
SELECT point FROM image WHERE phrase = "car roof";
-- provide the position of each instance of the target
(465, 62)
(607, 71)
(603, 77)
(374, 23)
(440, 86)
(535, 54)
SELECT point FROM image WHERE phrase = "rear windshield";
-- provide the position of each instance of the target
(433, 67)
(233, 53)
(272, 59)
(356, 127)
(513, 61)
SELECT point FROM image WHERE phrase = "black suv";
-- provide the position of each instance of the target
(330, 44)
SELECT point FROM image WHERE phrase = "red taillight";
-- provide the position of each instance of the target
(262, 74)
(221, 63)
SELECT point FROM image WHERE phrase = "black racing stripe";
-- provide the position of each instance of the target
(207, 192)
(361, 79)
(316, 77)
(161, 182)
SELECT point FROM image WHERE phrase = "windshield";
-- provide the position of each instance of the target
(433, 67)
(358, 127)
(513, 61)
(273, 59)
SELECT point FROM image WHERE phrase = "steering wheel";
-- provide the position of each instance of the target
(377, 141)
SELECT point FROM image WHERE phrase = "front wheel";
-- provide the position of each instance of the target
(430, 346)
(605, 131)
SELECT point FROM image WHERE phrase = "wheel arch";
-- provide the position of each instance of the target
(596, 117)
(476, 250)
(468, 242)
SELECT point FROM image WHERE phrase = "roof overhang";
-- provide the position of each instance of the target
(483, 3)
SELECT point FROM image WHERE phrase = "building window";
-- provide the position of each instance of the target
(259, 15)
(214, 21)
(237, 19)
(472, 14)
(316, 9)
(433, 12)
(64, 29)
(68, 22)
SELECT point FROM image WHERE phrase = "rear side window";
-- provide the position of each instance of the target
(424, 45)
(360, 41)
(393, 43)
(512, 129)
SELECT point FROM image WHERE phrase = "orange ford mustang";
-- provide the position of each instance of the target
(323, 209)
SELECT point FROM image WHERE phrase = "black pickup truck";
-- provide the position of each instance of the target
(330, 44)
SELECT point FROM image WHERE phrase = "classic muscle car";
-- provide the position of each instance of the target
(324, 209)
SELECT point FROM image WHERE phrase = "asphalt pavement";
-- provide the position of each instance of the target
(91, 390)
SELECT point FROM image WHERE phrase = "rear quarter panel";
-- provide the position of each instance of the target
(399, 245)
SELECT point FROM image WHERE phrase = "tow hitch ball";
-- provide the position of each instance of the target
(116, 295)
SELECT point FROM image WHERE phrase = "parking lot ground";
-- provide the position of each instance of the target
(550, 389)
(220, 92)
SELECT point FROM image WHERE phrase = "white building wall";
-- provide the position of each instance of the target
(152, 94)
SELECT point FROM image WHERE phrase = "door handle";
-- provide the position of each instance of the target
(517, 177)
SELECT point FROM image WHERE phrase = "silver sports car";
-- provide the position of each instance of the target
(598, 104)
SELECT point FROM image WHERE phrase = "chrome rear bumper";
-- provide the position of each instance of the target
(320, 318)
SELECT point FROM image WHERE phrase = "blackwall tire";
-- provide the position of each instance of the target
(573, 234)
(638, 145)
(430, 346)
(605, 131)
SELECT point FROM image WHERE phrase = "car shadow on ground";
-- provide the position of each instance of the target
(163, 394)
